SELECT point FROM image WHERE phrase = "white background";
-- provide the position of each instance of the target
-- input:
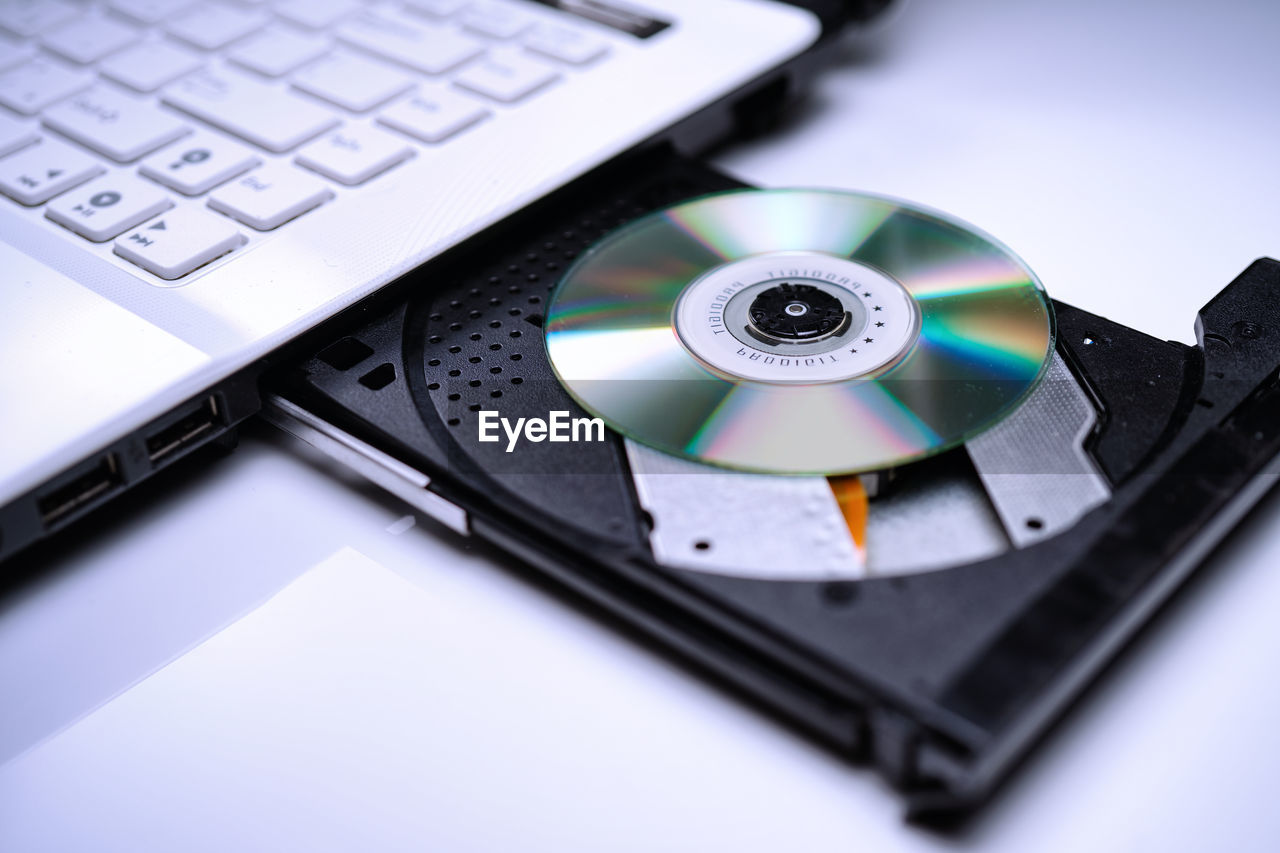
(1128, 151)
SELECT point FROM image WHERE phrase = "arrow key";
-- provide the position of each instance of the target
(42, 171)
(178, 242)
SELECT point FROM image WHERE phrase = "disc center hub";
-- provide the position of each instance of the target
(793, 317)
(793, 311)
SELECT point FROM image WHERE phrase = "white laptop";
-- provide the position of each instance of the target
(186, 186)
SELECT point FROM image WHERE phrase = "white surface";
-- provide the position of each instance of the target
(468, 710)
(1126, 152)
(365, 692)
(94, 366)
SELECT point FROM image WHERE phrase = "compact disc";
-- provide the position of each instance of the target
(799, 331)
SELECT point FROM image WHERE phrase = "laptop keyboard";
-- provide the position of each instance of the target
(175, 132)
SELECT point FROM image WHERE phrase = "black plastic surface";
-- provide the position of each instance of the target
(944, 679)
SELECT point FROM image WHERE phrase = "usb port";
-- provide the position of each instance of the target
(80, 491)
(184, 432)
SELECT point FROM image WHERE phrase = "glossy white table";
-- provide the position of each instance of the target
(1126, 151)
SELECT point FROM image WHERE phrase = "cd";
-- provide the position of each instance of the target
(799, 331)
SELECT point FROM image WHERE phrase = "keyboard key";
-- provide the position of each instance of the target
(316, 14)
(12, 53)
(434, 115)
(34, 85)
(565, 44)
(437, 8)
(496, 20)
(199, 163)
(28, 18)
(267, 117)
(38, 173)
(15, 135)
(426, 48)
(178, 242)
(353, 155)
(149, 11)
(89, 38)
(352, 82)
(108, 207)
(113, 124)
(149, 66)
(269, 197)
(275, 52)
(507, 78)
(210, 27)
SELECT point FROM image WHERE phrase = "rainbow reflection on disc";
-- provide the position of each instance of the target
(799, 331)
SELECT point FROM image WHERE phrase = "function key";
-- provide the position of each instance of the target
(423, 47)
(506, 78)
(38, 83)
(433, 115)
(496, 20)
(316, 14)
(38, 173)
(108, 207)
(149, 66)
(148, 11)
(12, 53)
(352, 82)
(436, 8)
(270, 196)
(353, 155)
(564, 44)
(26, 18)
(15, 135)
(210, 27)
(113, 124)
(178, 242)
(198, 163)
(249, 109)
(276, 51)
(89, 38)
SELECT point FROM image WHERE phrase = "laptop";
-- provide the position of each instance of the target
(187, 186)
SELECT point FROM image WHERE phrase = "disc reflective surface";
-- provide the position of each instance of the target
(683, 331)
